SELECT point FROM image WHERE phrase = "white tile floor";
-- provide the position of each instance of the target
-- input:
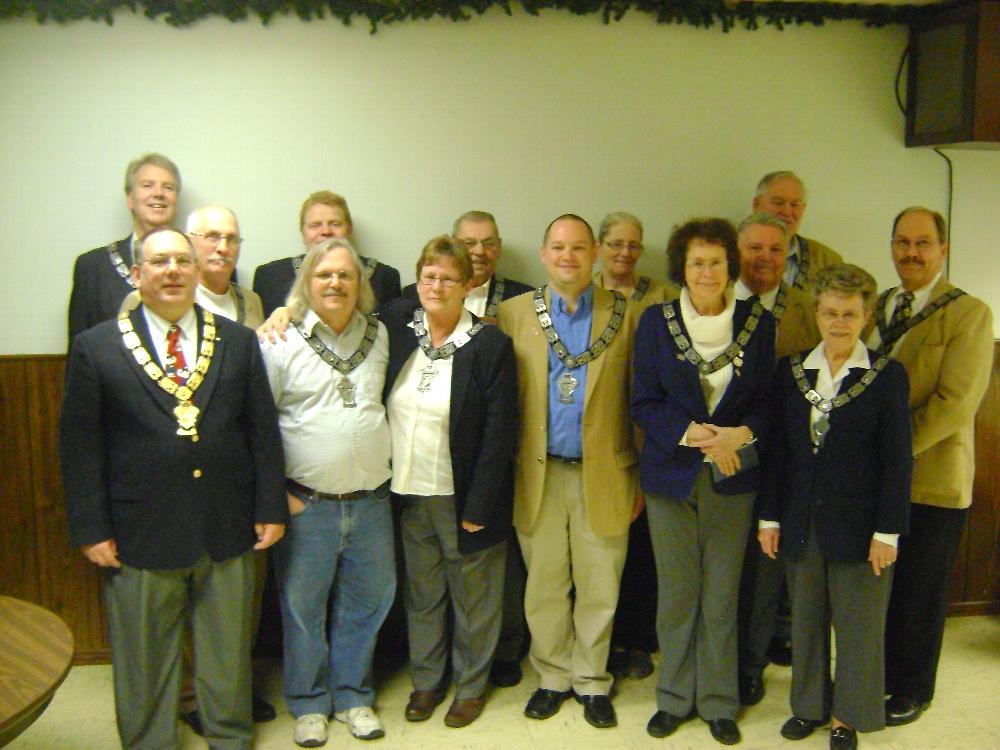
(965, 714)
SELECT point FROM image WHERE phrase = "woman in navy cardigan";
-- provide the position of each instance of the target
(703, 365)
(837, 495)
(451, 398)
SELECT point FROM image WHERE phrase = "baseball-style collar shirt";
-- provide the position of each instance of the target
(330, 446)
(419, 412)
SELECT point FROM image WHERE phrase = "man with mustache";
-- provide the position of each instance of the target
(944, 339)
(101, 277)
(763, 244)
(575, 480)
(783, 194)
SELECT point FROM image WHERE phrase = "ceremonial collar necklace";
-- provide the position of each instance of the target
(346, 388)
(435, 353)
(641, 287)
(733, 352)
(496, 298)
(822, 425)
(185, 411)
(802, 277)
(119, 264)
(567, 382)
(889, 336)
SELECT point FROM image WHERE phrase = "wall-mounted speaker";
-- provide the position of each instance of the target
(953, 87)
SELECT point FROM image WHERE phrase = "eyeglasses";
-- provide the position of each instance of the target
(902, 244)
(830, 316)
(699, 265)
(488, 244)
(325, 277)
(446, 281)
(619, 245)
(215, 238)
(159, 262)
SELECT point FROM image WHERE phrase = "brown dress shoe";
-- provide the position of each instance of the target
(422, 704)
(464, 712)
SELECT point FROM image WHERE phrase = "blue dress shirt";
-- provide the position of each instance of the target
(565, 437)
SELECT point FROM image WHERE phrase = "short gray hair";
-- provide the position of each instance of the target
(196, 217)
(772, 177)
(298, 301)
(475, 216)
(764, 219)
(845, 279)
(617, 217)
(157, 160)
(141, 244)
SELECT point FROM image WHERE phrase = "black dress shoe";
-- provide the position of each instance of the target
(618, 662)
(505, 673)
(798, 729)
(193, 720)
(262, 710)
(724, 731)
(663, 724)
(900, 711)
(544, 704)
(843, 738)
(779, 652)
(598, 711)
(640, 664)
(751, 690)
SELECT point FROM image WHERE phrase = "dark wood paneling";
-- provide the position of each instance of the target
(70, 585)
(37, 563)
(19, 574)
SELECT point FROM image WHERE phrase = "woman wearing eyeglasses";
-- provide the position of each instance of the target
(703, 365)
(836, 498)
(451, 394)
(633, 638)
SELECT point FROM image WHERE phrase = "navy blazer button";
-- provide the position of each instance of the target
(196, 473)
(194, 438)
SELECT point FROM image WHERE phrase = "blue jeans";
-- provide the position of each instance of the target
(337, 578)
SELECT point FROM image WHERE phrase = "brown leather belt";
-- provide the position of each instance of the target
(308, 493)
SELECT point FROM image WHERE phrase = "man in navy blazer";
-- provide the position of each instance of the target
(102, 277)
(324, 216)
(173, 473)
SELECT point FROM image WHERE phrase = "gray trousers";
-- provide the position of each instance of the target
(146, 613)
(698, 542)
(855, 600)
(435, 571)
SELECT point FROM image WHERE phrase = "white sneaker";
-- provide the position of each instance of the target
(363, 722)
(310, 730)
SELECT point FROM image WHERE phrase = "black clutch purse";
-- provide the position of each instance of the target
(749, 458)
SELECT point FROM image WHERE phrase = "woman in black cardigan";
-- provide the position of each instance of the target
(451, 398)
(837, 496)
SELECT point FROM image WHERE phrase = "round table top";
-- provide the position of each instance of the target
(35, 657)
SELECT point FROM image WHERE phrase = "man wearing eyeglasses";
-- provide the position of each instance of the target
(783, 194)
(478, 230)
(174, 474)
(944, 339)
(101, 277)
(763, 245)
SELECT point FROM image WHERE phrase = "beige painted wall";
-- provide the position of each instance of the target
(526, 117)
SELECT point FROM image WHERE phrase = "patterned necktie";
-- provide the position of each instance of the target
(903, 309)
(176, 365)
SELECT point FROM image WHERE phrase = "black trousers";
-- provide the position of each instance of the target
(635, 618)
(919, 601)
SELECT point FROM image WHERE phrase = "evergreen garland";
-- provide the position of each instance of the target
(699, 13)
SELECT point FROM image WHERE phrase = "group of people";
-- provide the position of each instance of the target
(625, 464)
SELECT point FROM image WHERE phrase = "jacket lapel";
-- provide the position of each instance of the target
(909, 349)
(160, 396)
(204, 394)
(691, 392)
(604, 302)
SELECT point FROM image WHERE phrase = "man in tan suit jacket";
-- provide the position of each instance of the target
(783, 194)
(944, 339)
(575, 474)
(763, 243)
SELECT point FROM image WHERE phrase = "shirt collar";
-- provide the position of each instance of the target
(481, 291)
(310, 320)
(158, 327)
(767, 299)
(859, 358)
(584, 303)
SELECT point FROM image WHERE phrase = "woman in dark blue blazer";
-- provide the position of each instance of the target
(837, 495)
(703, 365)
(451, 397)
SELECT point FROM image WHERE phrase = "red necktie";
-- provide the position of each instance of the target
(175, 357)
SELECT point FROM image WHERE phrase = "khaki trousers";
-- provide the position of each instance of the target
(570, 632)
